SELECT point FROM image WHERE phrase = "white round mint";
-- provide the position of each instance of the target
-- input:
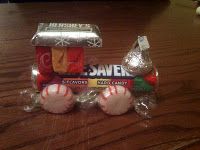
(198, 10)
(57, 98)
(115, 100)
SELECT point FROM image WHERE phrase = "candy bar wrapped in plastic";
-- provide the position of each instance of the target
(98, 77)
(63, 81)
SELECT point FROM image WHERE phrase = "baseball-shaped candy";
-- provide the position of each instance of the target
(198, 11)
(115, 100)
(57, 98)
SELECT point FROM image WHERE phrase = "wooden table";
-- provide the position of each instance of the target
(173, 31)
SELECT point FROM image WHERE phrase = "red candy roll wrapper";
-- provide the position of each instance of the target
(102, 76)
(75, 59)
(44, 60)
(68, 60)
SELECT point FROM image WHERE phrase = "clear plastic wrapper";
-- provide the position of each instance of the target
(31, 98)
(87, 99)
(144, 104)
(34, 75)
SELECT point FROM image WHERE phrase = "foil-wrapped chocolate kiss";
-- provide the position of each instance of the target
(138, 61)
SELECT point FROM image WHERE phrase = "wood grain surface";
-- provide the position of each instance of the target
(173, 31)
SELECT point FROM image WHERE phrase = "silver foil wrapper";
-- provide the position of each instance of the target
(137, 61)
(67, 35)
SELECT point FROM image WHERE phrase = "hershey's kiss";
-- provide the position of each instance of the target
(137, 61)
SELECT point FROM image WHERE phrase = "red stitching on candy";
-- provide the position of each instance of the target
(115, 89)
(125, 89)
(58, 89)
(109, 87)
(66, 92)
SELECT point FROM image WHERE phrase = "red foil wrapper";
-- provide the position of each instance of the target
(75, 59)
(44, 60)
